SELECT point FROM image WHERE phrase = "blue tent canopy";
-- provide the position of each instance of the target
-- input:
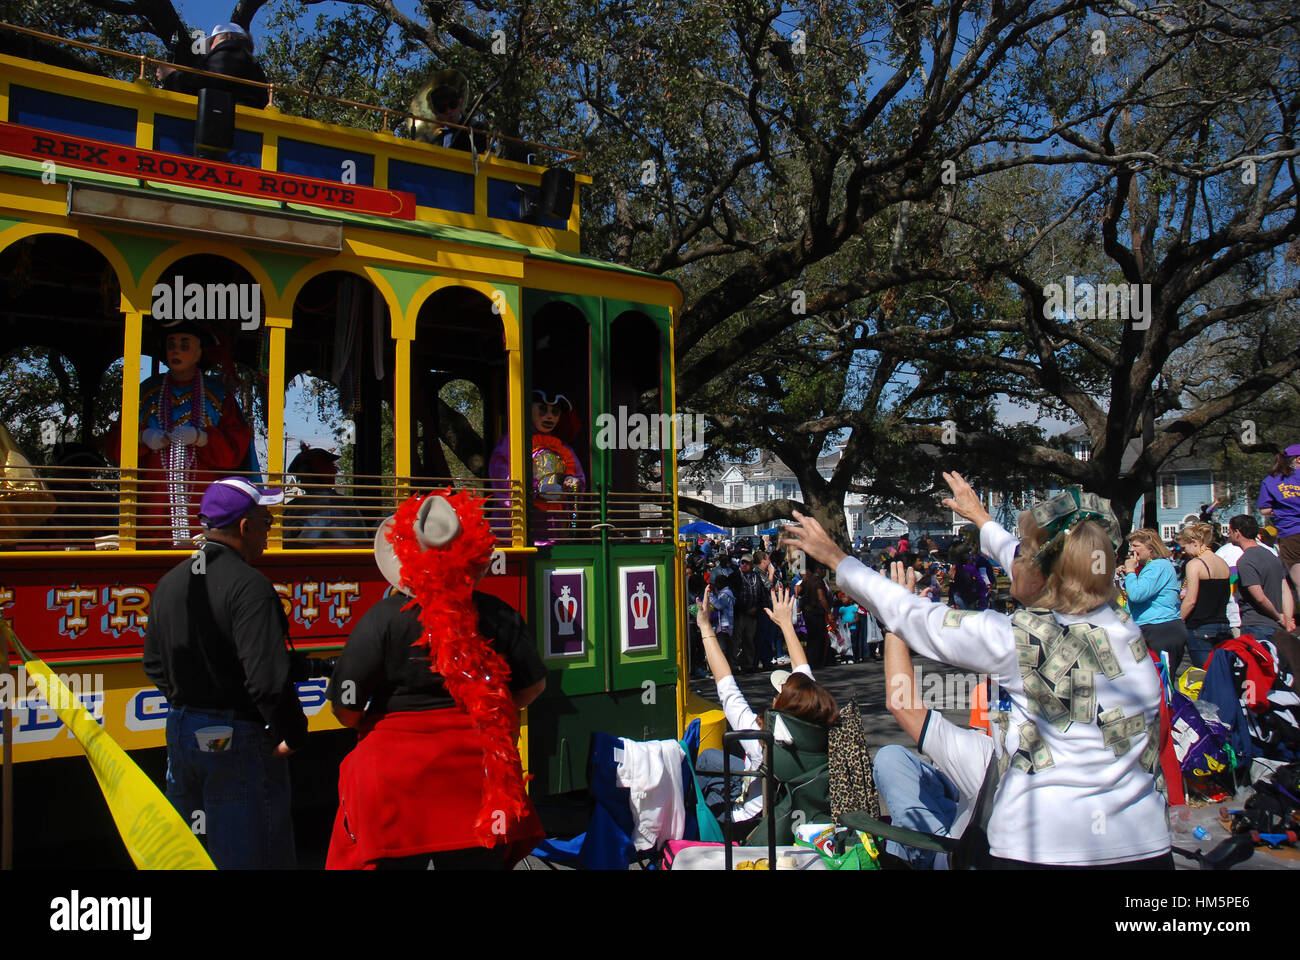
(700, 527)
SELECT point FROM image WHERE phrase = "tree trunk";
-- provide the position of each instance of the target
(828, 508)
(1150, 506)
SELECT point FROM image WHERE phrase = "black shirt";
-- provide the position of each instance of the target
(215, 640)
(233, 60)
(386, 666)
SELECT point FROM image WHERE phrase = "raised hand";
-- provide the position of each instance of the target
(810, 537)
(702, 612)
(903, 576)
(782, 612)
(965, 500)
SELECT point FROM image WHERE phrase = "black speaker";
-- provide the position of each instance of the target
(557, 192)
(214, 130)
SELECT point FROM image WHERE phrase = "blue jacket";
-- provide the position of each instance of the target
(1153, 593)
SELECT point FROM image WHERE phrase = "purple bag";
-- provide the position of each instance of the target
(1200, 744)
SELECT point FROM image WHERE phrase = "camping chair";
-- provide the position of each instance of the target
(968, 852)
(607, 843)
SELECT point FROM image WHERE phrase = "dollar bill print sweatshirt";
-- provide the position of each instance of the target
(1078, 747)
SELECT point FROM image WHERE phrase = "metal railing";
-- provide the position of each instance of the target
(71, 508)
(385, 113)
(68, 508)
(627, 518)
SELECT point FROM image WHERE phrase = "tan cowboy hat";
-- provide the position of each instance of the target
(436, 525)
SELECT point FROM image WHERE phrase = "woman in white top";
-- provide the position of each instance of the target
(1078, 746)
(798, 695)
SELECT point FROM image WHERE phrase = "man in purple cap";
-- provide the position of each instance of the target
(1279, 502)
(215, 648)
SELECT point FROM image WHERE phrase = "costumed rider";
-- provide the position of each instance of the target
(434, 677)
(557, 472)
(1076, 774)
(191, 432)
(319, 515)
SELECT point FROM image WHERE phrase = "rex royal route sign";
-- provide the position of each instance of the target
(86, 154)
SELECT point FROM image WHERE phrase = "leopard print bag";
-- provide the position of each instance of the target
(852, 781)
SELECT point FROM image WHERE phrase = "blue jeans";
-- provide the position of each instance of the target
(1260, 633)
(919, 798)
(1203, 639)
(242, 791)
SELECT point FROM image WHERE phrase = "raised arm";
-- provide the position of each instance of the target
(718, 665)
(900, 689)
(980, 641)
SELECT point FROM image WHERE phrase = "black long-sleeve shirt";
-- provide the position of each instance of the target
(215, 640)
(231, 59)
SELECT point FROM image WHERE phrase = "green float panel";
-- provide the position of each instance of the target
(643, 628)
(559, 732)
(569, 612)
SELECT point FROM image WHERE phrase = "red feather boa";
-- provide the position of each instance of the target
(442, 582)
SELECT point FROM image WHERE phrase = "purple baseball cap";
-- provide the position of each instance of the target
(1292, 451)
(228, 499)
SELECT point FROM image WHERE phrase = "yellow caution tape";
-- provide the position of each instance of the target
(155, 835)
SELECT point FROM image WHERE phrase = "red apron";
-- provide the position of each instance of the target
(414, 785)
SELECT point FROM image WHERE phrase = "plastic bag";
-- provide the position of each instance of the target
(859, 851)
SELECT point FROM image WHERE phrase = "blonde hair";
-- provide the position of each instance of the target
(1151, 540)
(1199, 532)
(1082, 577)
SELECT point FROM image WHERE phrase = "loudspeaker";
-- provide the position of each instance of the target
(557, 192)
(214, 129)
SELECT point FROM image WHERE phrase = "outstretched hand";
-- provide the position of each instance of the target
(903, 576)
(702, 618)
(782, 612)
(810, 537)
(965, 500)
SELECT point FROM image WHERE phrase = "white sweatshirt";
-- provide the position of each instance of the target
(1090, 806)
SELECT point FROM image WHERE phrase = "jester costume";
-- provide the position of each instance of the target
(557, 472)
(175, 476)
(437, 767)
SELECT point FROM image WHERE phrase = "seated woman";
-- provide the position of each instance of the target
(1077, 744)
(191, 432)
(798, 697)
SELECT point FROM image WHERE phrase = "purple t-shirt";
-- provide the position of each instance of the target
(1283, 495)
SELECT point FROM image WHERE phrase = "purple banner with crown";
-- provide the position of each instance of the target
(639, 607)
(566, 613)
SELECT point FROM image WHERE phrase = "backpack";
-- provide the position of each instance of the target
(1201, 746)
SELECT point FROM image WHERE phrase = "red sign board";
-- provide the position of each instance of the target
(64, 149)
